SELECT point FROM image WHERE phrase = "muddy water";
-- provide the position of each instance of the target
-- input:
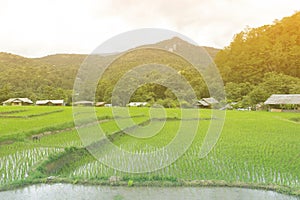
(68, 191)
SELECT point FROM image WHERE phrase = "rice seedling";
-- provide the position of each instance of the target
(254, 147)
(16, 166)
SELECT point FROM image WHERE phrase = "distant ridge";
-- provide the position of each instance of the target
(72, 57)
(177, 44)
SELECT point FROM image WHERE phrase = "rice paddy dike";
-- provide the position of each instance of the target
(255, 150)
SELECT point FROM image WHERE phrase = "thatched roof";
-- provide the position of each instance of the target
(277, 99)
(210, 100)
(206, 102)
(100, 103)
(43, 102)
(18, 100)
(202, 103)
(83, 103)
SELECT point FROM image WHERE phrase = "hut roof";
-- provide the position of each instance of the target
(24, 100)
(100, 103)
(83, 102)
(137, 103)
(203, 103)
(43, 102)
(210, 100)
(276, 99)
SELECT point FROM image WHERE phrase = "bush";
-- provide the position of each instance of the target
(130, 183)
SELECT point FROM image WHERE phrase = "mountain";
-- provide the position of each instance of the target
(52, 76)
(174, 44)
(177, 44)
(62, 60)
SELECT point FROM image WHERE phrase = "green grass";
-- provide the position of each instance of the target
(18, 127)
(254, 147)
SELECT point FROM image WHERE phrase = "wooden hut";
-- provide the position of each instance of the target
(50, 103)
(283, 102)
(206, 102)
(17, 102)
(83, 103)
(137, 104)
(100, 104)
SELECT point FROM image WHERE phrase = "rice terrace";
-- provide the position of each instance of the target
(256, 149)
(151, 114)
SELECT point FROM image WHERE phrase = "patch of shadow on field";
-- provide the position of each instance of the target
(56, 163)
(295, 120)
(31, 116)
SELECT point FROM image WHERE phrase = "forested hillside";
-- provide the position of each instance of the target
(52, 77)
(151, 92)
(42, 78)
(257, 63)
(256, 51)
(262, 61)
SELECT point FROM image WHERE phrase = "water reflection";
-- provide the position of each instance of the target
(68, 191)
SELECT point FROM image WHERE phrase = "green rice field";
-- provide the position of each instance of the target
(260, 148)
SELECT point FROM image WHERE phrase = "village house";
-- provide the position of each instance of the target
(207, 102)
(83, 103)
(50, 103)
(283, 102)
(100, 104)
(137, 104)
(17, 102)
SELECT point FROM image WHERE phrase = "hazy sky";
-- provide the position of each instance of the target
(35, 28)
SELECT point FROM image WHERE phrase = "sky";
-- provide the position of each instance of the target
(36, 28)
